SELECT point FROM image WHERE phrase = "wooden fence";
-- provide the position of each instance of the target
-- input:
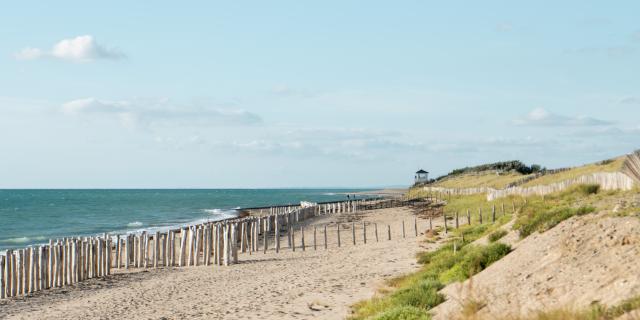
(606, 181)
(67, 261)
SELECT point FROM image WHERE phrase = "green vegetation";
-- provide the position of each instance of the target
(403, 313)
(497, 235)
(417, 293)
(526, 224)
(504, 166)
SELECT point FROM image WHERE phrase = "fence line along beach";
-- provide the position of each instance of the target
(67, 261)
(308, 231)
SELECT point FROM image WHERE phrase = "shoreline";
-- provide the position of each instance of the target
(289, 285)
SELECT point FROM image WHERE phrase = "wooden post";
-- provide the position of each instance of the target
(338, 228)
(156, 248)
(172, 248)
(430, 223)
(315, 230)
(3, 278)
(493, 214)
(364, 232)
(276, 234)
(468, 217)
(50, 281)
(457, 222)
(403, 233)
(293, 237)
(502, 204)
(480, 215)
(444, 216)
(389, 231)
(266, 238)
(375, 226)
(415, 225)
(353, 232)
(325, 237)
(183, 246)
(302, 235)
(225, 240)
(234, 242)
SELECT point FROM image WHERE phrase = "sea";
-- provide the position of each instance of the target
(29, 217)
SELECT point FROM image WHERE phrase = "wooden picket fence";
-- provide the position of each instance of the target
(68, 261)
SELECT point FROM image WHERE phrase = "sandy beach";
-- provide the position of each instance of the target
(307, 284)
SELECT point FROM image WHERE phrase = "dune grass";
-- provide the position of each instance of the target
(481, 179)
(594, 312)
(612, 165)
(416, 293)
(497, 235)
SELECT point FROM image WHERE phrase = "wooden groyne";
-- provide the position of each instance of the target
(65, 262)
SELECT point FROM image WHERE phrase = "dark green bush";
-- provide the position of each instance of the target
(588, 189)
(403, 313)
(497, 235)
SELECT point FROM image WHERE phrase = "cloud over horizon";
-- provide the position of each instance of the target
(79, 49)
(141, 112)
(540, 117)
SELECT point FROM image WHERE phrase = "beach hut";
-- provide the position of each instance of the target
(421, 176)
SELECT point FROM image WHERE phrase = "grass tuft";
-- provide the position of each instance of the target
(497, 235)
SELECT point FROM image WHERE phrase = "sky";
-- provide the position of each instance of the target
(255, 94)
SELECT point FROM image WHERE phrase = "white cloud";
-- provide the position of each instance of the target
(158, 112)
(29, 54)
(543, 118)
(629, 100)
(79, 49)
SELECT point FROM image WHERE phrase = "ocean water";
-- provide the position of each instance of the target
(35, 216)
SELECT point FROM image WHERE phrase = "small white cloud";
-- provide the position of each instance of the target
(629, 100)
(504, 27)
(79, 49)
(543, 118)
(93, 105)
(29, 54)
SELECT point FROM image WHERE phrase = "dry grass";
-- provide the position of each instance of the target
(481, 179)
(607, 166)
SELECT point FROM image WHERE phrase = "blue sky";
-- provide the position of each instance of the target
(309, 94)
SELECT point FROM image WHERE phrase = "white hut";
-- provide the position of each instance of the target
(421, 176)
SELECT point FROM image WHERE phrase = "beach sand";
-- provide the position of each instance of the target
(319, 284)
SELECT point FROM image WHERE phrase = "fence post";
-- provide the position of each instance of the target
(457, 223)
(364, 232)
(468, 217)
(389, 231)
(338, 234)
(302, 235)
(444, 215)
(325, 237)
(403, 233)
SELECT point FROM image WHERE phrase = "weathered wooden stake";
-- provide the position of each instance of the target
(444, 215)
(314, 238)
(353, 232)
(338, 228)
(375, 227)
(325, 237)
(389, 231)
(403, 234)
